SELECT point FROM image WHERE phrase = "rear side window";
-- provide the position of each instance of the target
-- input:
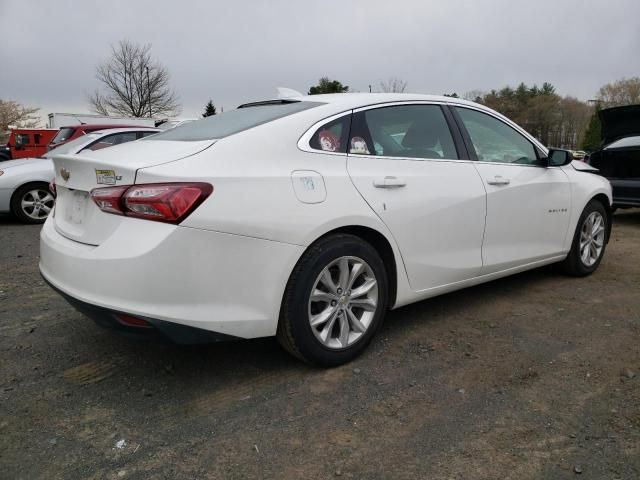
(405, 131)
(332, 136)
(63, 135)
(234, 121)
(145, 134)
(72, 146)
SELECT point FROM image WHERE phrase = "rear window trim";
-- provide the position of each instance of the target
(304, 142)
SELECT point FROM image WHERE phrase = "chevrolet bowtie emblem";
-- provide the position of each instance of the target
(65, 174)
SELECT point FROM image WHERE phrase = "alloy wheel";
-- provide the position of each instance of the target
(37, 203)
(343, 302)
(592, 235)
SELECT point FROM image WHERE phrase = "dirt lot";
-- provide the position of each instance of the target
(534, 376)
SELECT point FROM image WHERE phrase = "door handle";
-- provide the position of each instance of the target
(498, 180)
(389, 182)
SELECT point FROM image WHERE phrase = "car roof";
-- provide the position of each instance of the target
(99, 126)
(356, 100)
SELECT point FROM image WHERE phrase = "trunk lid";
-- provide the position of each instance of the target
(618, 122)
(76, 216)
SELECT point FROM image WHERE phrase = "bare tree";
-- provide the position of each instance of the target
(393, 85)
(474, 96)
(12, 113)
(625, 91)
(135, 84)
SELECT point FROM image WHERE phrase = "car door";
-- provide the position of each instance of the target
(528, 203)
(414, 172)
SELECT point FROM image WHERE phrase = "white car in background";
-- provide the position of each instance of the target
(24, 183)
(309, 217)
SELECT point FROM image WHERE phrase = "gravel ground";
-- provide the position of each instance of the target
(536, 376)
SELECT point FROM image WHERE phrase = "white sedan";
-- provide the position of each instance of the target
(308, 218)
(24, 183)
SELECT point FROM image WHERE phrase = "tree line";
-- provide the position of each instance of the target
(135, 84)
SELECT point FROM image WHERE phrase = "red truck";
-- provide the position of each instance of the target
(27, 142)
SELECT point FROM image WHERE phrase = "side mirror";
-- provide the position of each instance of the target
(558, 158)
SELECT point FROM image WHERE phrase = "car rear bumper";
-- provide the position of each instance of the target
(211, 281)
(147, 328)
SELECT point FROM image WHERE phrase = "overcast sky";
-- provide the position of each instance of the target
(237, 51)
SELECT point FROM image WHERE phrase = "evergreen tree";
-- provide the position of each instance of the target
(328, 86)
(209, 109)
(593, 135)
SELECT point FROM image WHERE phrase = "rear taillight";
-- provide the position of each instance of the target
(109, 199)
(163, 202)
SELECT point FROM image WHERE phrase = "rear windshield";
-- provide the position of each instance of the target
(234, 121)
(63, 135)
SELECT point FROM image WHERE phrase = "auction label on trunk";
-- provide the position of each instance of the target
(106, 177)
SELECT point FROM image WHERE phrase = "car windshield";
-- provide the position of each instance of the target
(234, 121)
(73, 146)
(63, 134)
(624, 143)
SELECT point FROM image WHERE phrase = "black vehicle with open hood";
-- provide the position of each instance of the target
(619, 157)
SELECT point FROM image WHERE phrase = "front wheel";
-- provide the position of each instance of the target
(335, 301)
(589, 241)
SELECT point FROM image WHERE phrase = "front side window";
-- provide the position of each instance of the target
(405, 131)
(495, 141)
(332, 136)
(22, 139)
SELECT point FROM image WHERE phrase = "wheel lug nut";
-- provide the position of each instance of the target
(339, 291)
(333, 303)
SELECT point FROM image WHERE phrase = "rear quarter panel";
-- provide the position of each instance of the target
(253, 191)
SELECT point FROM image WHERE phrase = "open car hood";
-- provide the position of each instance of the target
(618, 122)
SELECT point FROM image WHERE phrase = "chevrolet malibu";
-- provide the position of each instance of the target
(309, 217)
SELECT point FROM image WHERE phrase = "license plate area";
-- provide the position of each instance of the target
(76, 209)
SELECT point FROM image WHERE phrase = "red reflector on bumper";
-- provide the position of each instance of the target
(131, 321)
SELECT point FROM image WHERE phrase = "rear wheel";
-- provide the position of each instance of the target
(589, 241)
(335, 301)
(32, 202)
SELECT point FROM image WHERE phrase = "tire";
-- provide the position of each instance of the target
(358, 311)
(32, 202)
(584, 261)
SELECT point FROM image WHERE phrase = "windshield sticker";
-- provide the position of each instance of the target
(358, 145)
(106, 177)
(329, 142)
